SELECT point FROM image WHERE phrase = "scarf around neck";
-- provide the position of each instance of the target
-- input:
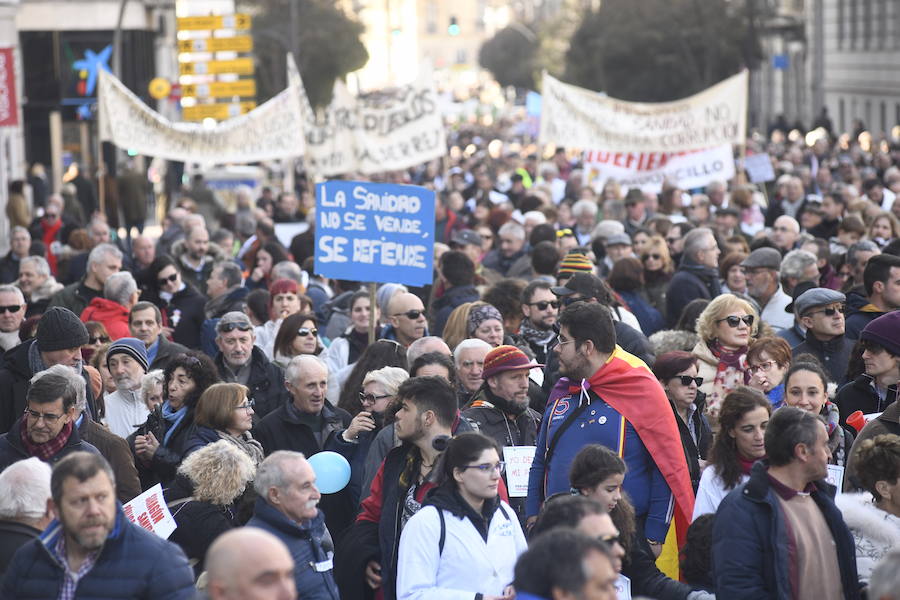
(50, 448)
(173, 417)
(736, 359)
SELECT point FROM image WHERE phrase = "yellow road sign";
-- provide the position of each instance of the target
(159, 88)
(236, 21)
(219, 112)
(237, 43)
(222, 89)
(239, 66)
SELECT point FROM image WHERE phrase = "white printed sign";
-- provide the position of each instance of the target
(649, 170)
(759, 168)
(149, 510)
(623, 588)
(575, 117)
(836, 477)
(518, 466)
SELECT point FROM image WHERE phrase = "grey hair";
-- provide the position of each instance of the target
(468, 344)
(796, 262)
(390, 378)
(245, 225)
(512, 228)
(885, 578)
(19, 229)
(40, 264)
(150, 379)
(420, 347)
(11, 289)
(231, 273)
(585, 205)
(102, 251)
(25, 489)
(299, 364)
(120, 287)
(75, 383)
(287, 269)
(270, 472)
(693, 241)
(861, 246)
(94, 221)
(538, 217)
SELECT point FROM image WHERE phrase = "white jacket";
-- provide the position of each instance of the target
(467, 565)
(711, 492)
(125, 411)
(874, 530)
(336, 357)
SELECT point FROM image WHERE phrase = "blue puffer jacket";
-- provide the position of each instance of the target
(307, 544)
(133, 563)
(750, 545)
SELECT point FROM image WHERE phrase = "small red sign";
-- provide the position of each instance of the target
(8, 112)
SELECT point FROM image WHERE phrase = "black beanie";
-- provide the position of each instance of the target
(60, 329)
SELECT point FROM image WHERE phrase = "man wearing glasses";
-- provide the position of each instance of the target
(821, 312)
(47, 429)
(407, 319)
(12, 313)
(540, 307)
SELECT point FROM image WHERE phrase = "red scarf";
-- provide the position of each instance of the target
(627, 385)
(48, 449)
(747, 463)
(50, 232)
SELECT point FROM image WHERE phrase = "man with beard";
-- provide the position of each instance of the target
(12, 313)
(93, 548)
(501, 405)
(540, 307)
(196, 256)
(126, 360)
(47, 429)
(608, 396)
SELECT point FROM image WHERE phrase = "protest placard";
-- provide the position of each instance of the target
(649, 170)
(149, 510)
(518, 466)
(375, 232)
(578, 118)
(836, 477)
(759, 168)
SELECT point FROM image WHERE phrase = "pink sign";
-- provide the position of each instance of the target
(8, 114)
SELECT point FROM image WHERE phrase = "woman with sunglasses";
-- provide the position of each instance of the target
(677, 373)
(658, 269)
(298, 334)
(97, 336)
(179, 302)
(739, 443)
(464, 539)
(769, 359)
(225, 412)
(346, 349)
(726, 327)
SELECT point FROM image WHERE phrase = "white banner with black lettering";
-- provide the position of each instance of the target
(271, 131)
(648, 170)
(578, 118)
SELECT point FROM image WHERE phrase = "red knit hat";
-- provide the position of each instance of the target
(506, 358)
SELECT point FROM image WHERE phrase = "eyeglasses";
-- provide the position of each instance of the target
(734, 321)
(560, 341)
(305, 331)
(829, 312)
(500, 467)
(98, 340)
(228, 327)
(164, 280)
(544, 304)
(687, 379)
(372, 398)
(36, 416)
(765, 367)
(412, 315)
(468, 364)
(248, 405)
(653, 256)
(10, 309)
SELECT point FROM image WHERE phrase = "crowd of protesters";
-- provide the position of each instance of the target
(704, 382)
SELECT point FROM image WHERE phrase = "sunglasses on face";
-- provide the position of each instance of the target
(412, 315)
(830, 311)
(653, 256)
(10, 309)
(98, 340)
(687, 379)
(228, 327)
(164, 280)
(305, 331)
(544, 304)
(734, 321)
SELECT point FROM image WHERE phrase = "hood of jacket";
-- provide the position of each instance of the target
(856, 299)
(867, 520)
(214, 252)
(216, 307)
(446, 497)
(668, 340)
(101, 309)
(46, 289)
(702, 351)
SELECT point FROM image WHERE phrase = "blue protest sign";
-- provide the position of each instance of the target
(374, 232)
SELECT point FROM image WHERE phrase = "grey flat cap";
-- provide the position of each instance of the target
(767, 258)
(816, 297)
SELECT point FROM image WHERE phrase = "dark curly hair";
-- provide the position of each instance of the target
(199, 367)
(878, 460)
(695, 559)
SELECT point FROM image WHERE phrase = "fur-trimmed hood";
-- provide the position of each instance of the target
(214, 252)
(867, 520)
(46, 289)
(669, 340)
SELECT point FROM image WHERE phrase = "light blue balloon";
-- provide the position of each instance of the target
(332, 471)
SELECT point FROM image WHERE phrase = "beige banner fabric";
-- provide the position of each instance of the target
(271, 131)
(578, 118)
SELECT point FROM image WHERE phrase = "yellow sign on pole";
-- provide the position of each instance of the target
(238, 66)
(159, 88)
(222, 89)
(237, 43)
(236, 21)
(219, 112)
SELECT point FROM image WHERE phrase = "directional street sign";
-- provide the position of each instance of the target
(239, 66)
(237, 43)
(219, 112)
(224, 89)
(237, 21)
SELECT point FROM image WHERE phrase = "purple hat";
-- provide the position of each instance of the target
(506, 358)
(884, 331)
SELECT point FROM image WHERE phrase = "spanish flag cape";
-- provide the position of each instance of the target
(627, 384)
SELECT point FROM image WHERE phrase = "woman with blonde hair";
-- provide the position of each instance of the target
(725, 327)
(456, 329)
(225, 412)
(658, 269)
(884, 228)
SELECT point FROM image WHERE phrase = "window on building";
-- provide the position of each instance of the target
(854, 23)
(867, 24)
(842, 115)
(840, 23)
(883, 116)
(431, 17)
(881, 23)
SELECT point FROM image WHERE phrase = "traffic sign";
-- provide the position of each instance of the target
(236, 21)
(159, 88)
(237, 43)
(239, 66)
(219, 112)
(222, 89)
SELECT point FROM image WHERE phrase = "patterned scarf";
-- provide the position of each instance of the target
(732, 370)
(48, 449)
(246, 443)
(535, 336)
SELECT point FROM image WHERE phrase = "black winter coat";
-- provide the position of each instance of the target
(694, 452)
(266, 382)
(860, 395)
(168, 456)
(834, 355)
(689, 283)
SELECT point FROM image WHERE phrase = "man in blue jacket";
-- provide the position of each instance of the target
(779, 535)
(286, 507)
(92, 550)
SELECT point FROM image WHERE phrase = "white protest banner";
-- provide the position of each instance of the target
(836, 477)
(149, 510)
(518, 466)
(648, 170)
(759, 168)
(575, 117)
(271, 131)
